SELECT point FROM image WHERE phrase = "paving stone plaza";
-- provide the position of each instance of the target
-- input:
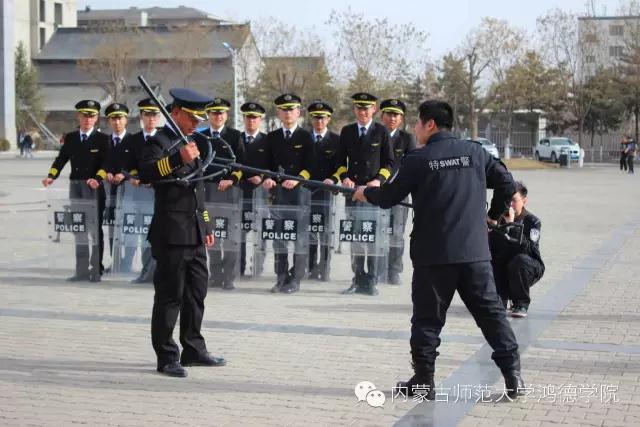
(80, 353)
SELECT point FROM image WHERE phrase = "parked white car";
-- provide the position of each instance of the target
(488, 145)
(551, 148)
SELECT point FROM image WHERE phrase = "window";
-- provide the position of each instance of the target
(616, 30)
(43, 7)
(590, 59)
(616, 51)
(57, 14)
(43, 37)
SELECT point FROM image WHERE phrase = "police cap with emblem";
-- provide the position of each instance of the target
(288, 101)
(393, 105)
(252, 109)
(88, 107)
(320, 109)
(116, 110)
(363, 99)
(148, 105)
(190, 101)
(218, 105)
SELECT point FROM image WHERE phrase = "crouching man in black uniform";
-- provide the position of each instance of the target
(517, 266)
(447, 179)
(179, 231)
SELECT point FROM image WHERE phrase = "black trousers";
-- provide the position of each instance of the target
(285, 197)
(89, 257)
(623, 161)
(433, 288)
(319, 244)
(223, 265)
(396, 247)
(514, 277)
(180, 284)
(630, 159)
(358, 261)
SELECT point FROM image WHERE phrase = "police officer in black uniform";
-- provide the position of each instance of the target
(223, 263)
(254, 142)
(392, 111)
(150, 117)
(447, 179)
(179, 231)
(366, 158)
(326, 149)
(290, 151)
(517, 265)
(88, 150)
(117, 115)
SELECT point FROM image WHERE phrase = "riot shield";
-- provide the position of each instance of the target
(321, 234)
(282, 221)
(392, 262)
(364, 229)
(252, 248)
(109, 215)
(225, 213)
(75, 231)
(133, 215)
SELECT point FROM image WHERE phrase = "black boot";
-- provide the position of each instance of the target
(422, 382)
(513, 382)
(282, 278)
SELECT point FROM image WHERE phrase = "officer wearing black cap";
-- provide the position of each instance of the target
(150, 117)
(117, 115)
(179, 231)
(366, 158)
(88, 150)
(223, 263)
(447, 179)
(392, 114)
(290, 150)
(254, 142)
(326, 148)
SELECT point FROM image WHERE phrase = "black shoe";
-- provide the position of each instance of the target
(514, 384)
(292, 286)
(204, 360)
(518, 311)
(366, 285)
(419, 386)
(394, 279)
(94, 278)
(173, 369)
(78, 278)
(352, 289)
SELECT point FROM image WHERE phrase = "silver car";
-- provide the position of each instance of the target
(488, 145)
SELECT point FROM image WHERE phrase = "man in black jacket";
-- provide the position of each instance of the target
(179, 231)
(517, 266)
(88, 150)
(121, 151)
(289, 150)
(223, 259)
(447, 179)
(365, 158)
(326, 162)
(402, 143)
(255, 143)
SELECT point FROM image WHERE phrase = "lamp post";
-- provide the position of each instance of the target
(233, 54)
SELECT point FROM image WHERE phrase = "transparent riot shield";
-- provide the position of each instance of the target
(282, 221)
(321, 234)
(133, 215)
(252, 249)
(392, 262)
(225, 213)
(109, 217)
(75, 232)
(364, 230)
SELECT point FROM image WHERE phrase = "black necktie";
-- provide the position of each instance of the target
(215, 134)
(250, 139)
(287, 134)
(116, 141)
(363, 132)
(83, 137)
(146, 137)
(318, 138)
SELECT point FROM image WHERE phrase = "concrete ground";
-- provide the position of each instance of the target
(80, 353)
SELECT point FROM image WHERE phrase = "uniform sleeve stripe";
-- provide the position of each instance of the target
(237, 174)
(53, 171)
(163, 166)
(102, 173)
(384, 172)
(305, 174)
(339, 172)
(133, 172)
